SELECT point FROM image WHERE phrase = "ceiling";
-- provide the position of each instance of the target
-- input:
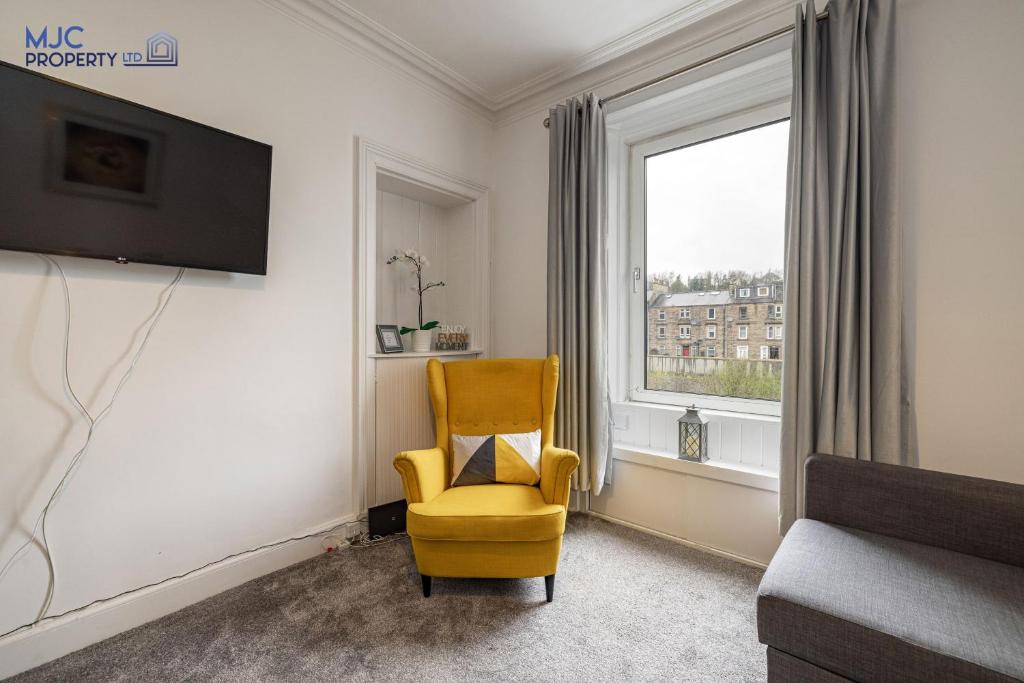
(498, 50)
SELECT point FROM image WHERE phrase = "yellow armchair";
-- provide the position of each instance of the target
(488, 530)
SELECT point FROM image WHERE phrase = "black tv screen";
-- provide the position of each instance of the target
(86, 174)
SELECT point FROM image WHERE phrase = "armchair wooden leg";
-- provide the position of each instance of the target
(426, 585)
(549, 586)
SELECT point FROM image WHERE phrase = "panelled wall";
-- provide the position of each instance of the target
(445, 235)
(747, 441)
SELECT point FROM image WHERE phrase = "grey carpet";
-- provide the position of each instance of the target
(628, 606)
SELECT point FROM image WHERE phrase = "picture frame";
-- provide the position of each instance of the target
(389, 339)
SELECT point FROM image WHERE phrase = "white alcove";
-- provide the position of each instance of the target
(405, 203)
(443, 229)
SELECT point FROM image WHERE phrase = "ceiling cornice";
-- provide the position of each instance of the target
(661, 57)
(341, 23)
(337, 21)
(667, 25)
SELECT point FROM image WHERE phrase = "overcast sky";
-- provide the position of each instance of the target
(719, 205)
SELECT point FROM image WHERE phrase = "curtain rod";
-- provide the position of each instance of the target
(703, 62)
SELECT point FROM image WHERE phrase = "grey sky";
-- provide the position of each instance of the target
(719, 205)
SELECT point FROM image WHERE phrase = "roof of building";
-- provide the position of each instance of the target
(715, 298)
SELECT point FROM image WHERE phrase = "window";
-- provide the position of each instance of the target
(661, 315)
(661, 331)
(685, 229)
(775, 311)
(764, 353)
(679, 350)
(774, 332)
(774, 353)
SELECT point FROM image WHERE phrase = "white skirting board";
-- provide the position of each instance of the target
(52, 639)
(681, 541)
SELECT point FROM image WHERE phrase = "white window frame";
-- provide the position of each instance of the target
(661, 315)
(711, 352)
(684, 313)
(743, 292)
(767, 291)
(711, 332)
(660, 332)
(737, 93)
(776, 311)
(684, 331)
(711, 313)
(774, 332)
(764, 352)
(742, 352)
(743, 332)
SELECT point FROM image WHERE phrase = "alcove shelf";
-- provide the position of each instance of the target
(425, 354)
(405, 203)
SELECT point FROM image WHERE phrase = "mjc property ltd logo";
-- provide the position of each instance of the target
(63, 46)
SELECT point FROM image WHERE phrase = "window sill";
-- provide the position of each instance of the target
(742, 475)
(748, 409)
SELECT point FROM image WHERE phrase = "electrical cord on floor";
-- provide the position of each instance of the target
(101, 601)
(162, 301)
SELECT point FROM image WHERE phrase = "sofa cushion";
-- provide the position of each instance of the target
(871, 607)
(489, 512)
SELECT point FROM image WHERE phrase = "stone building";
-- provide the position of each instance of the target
(739, 323)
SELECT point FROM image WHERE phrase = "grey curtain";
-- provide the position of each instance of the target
(845, 388)
(577, 285)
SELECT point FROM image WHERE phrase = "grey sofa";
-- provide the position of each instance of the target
(897, 574)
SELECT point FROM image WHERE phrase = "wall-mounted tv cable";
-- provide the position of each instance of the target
(39, 529)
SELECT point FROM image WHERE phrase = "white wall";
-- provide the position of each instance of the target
(962, 106)
(236, 428)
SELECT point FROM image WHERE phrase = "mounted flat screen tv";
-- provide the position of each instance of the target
(87, 174)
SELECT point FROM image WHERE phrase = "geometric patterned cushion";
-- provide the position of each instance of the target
(498, 458)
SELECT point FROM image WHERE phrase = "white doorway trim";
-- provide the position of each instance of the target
(375, 161)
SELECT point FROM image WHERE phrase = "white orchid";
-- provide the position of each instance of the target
(416, 263)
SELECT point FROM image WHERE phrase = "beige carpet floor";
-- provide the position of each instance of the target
(628, 607)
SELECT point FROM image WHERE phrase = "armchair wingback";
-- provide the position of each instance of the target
(490, 530)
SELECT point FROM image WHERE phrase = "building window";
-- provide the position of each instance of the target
(661, 331)
(661, 315)
(775, 311)
(774, 332)
(764, 353)
(685, 232)
(774, 353)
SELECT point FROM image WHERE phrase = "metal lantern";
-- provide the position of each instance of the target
(693, 436)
